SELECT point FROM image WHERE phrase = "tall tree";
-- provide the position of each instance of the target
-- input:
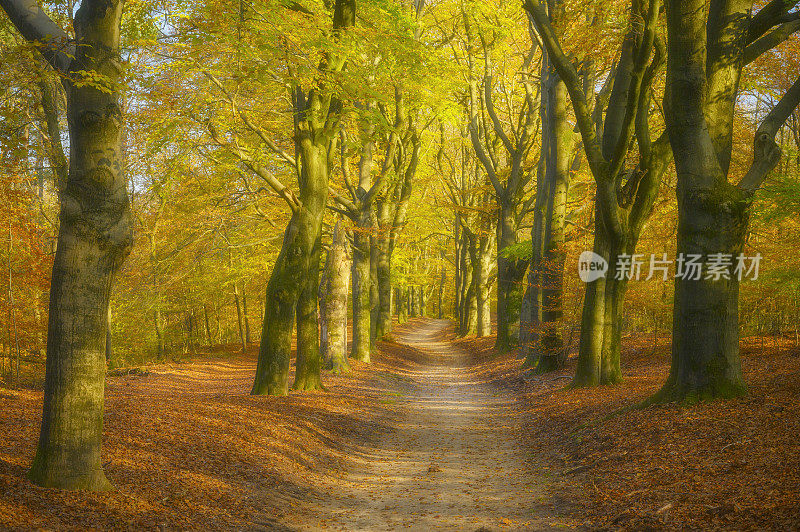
(359, 207)
(503, 155)
(541, 344)
(94, 238)
(708, 44)
(293, 286)
(625, 196)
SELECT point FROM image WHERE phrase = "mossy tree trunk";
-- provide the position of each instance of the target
(360, 349)
(309, 356)
(383, 267)
(94, 238)
(707, 47)
(547, 352)
(295, 272)
(294, 283)
(239, 316)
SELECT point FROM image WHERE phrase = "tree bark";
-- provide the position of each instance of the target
(109, 347)
(309, 357)
(509, 283)
(383, 324)
(483, 285)
(548, 352)
(290, 275)
(245, 316)
(360, 349)
(209, 338)
(239, 317)
(333, 297)
(374, 303)
(400, 307)
(94, 238)
(159, 334)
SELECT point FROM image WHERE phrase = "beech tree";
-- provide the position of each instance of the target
(359, 207)
(333, 302)
(541, 343)
(502, 150)
(94, 237)
(470, 194)
(708, 45)
(624, 195)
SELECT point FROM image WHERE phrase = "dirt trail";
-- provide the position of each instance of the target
(417, 440)
(453, 462)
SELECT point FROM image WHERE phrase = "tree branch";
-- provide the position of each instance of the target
(770, 15)
(283, 191)
(270, 144)
(569, 75)
(766, 152)
(36, 27)
(640, 62)
(769, 41)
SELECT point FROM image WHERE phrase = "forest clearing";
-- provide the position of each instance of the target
(399, 264)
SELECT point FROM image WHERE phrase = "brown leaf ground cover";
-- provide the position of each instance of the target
(187, 447)
(726, 465)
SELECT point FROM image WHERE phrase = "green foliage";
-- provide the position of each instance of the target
(521, 251)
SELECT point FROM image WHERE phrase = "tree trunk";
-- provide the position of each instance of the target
(291, 273)
(459, 269)
(94, 238)
(465, 279)
(109, 349)
(713, 213)
(470, 299)
(400, 306)
(483, 287)
(297, 266)
(245, 316)
(384, 272)
(509, 297)
(159, 334)
(239, 317)
(551, 344)
(360, 349)
(374, 304)
(470, 309)
(442, 282)
(309, 357)
(705, 341)
(334, 303)
(207, 323)
(598, 353)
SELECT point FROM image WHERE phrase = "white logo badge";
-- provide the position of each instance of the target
(591, 266)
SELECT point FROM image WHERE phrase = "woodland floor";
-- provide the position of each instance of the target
(437, 433)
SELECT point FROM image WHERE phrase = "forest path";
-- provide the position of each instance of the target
(453, 462)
